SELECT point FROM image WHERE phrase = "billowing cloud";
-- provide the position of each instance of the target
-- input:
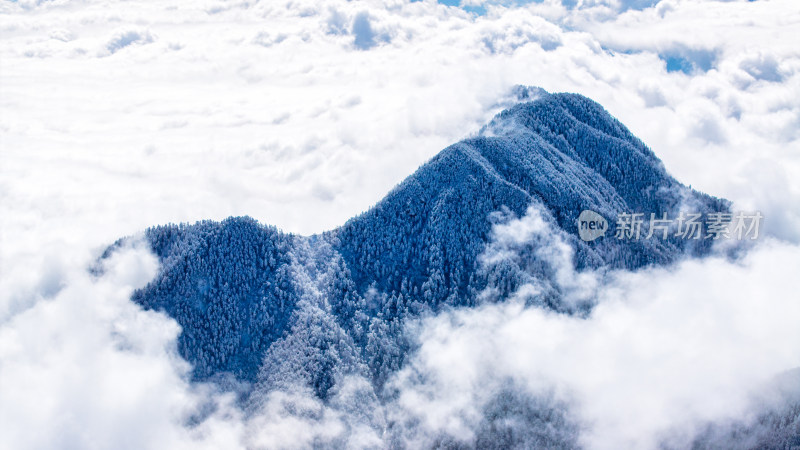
(116, 116)
(663, 353)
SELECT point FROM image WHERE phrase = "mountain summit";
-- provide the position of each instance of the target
(276, 309)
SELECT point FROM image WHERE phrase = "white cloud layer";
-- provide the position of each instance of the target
(115, 116)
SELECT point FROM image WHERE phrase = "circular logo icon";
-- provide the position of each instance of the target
(591, 225)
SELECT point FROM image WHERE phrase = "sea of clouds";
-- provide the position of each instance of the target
(115, 116)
